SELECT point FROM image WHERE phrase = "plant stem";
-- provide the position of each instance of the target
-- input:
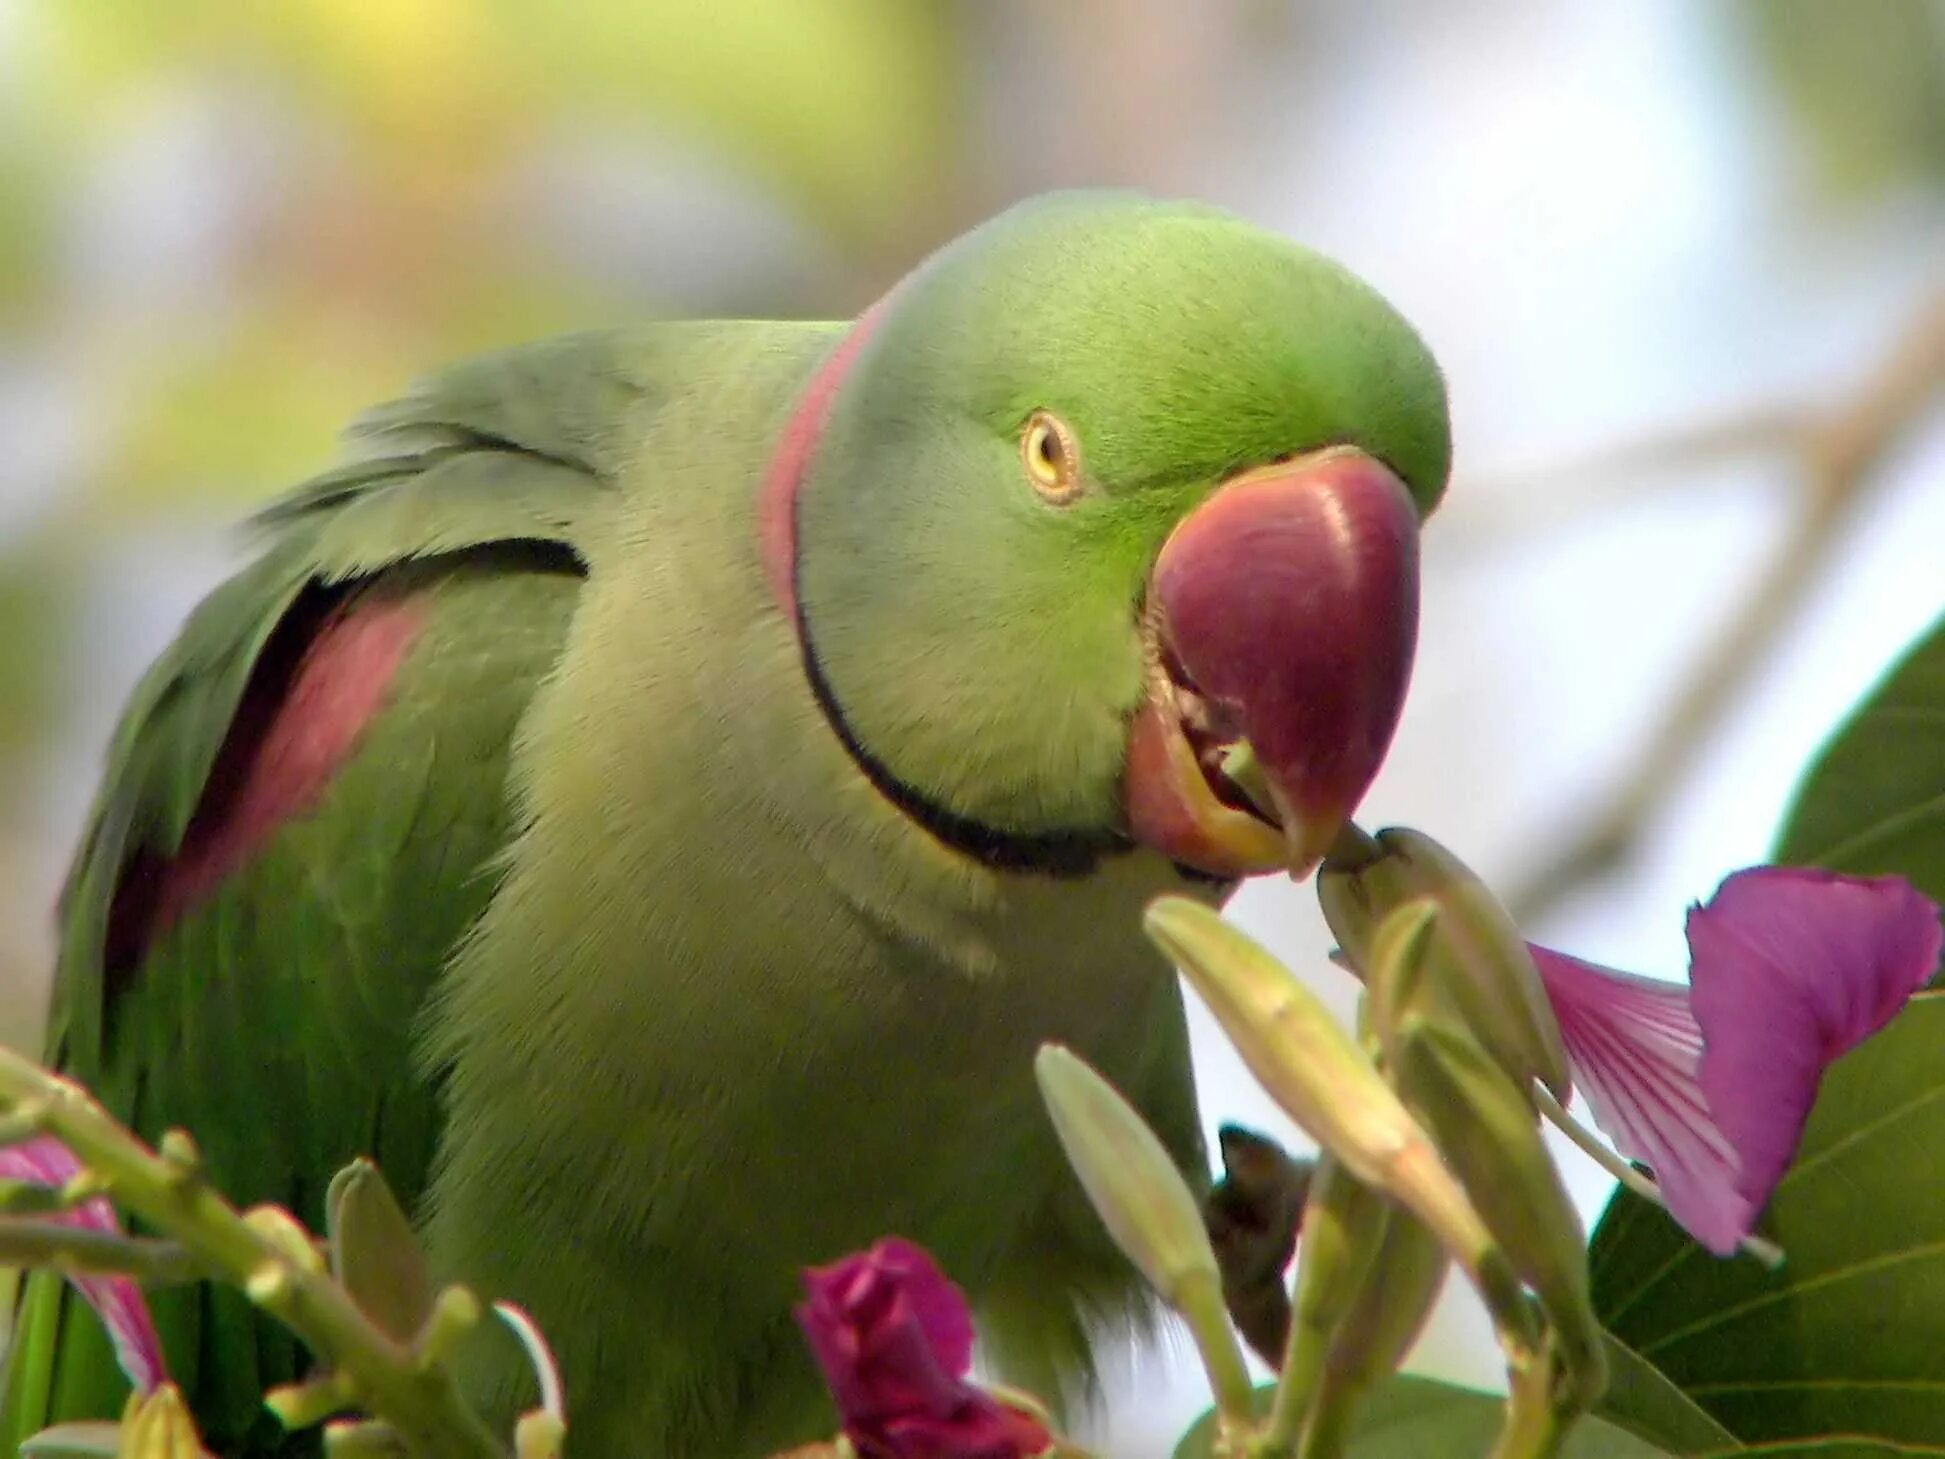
(1344, 1227)
(1328, 1433)
(421, 1402)
(83, 1250)
(1424, 1187)
(1200, 1303)
(1295, 1388)
(1354, 848)
(1596, 1149)
(1534, 1428)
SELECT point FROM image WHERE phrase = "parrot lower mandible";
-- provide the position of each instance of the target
(658, 793)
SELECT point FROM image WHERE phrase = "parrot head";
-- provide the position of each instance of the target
(1102, 529)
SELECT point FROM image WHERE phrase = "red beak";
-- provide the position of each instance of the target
(1282, 615)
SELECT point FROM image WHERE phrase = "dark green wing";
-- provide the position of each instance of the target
(270, 1008)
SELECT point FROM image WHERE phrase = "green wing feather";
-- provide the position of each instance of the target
(275, 1020)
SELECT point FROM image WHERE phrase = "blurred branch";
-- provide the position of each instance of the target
(1839, 452)
(1510, 506)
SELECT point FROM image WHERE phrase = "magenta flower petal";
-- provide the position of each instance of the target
(1636, 1051)
(119, 1302)
(1710, 1085)
(895, 1340)
(1791, 969)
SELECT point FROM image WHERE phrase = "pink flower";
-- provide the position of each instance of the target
(1709, 1085)
(118, 1301)
(895, 1341)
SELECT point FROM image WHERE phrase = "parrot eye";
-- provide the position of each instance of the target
(1052, 460)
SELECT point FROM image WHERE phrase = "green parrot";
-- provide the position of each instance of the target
(658, 794)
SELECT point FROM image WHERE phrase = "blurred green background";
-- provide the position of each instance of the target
(225, 227)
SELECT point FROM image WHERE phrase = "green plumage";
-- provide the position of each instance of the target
(602, 941)
(276, 1020)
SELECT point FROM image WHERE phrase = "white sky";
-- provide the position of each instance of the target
(1597, 233)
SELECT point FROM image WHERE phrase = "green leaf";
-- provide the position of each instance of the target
(1409, 1417)
(1873, 800)
(1831, 1446)
(1641, 1399)
(1848, 1336)
(1850, 1333)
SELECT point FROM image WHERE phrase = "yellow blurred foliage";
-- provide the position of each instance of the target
(846, 106)
(384, 245)
(243, 415)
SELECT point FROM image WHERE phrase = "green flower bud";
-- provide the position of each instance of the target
(1374, 1329)
(284, 1232)
(374, 1253)
(1489, 1134)
(455, 1312)
(1134, 1185)
(1389, 1312)
(1290, 1041)
(1402, 978)
(1325, 1082)
(312, 1401)
(539, 1435)
(1481, 961)
(1147, 1208)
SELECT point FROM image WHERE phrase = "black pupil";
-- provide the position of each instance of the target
(1049, 451)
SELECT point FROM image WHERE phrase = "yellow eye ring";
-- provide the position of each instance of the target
(1051, 457)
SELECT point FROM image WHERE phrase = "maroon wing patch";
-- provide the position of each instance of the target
(325, 674)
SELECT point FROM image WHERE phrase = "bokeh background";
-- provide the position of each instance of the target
(1658, 246)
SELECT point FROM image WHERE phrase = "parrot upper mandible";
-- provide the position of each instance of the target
(656, 795)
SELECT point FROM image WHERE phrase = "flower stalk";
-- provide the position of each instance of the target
(81, 1251)
(1345, 1224)
(421, 1402)
(1374, 1334)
